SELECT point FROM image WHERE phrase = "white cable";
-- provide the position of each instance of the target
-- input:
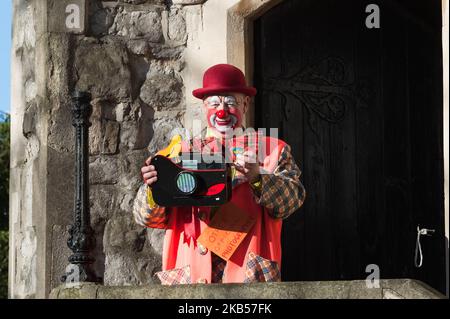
(420, 232)
(418, 249)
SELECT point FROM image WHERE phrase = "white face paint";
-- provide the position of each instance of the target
(226, 119)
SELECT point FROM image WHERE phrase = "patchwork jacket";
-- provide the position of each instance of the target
(258, 258)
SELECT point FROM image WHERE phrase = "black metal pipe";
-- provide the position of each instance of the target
(81, 235)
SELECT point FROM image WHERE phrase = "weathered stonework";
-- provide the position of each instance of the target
(177, 25)
(103, 69)
(356, 289)
(162, 91)
(138, 24)
(132, 69)
(130, 59)
(28, 153)
(130, 256)
(188, 2)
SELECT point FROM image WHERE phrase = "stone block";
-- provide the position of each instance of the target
(177, 26)
(126, 202)
(95, 137)
(138, 24)
(104, 170)
(60, 253)
(29, 120)
(130, 257)
(128, 134)
(130, 172)
(391, 294)
(122, 110)
(124, 270)
(60, 181)
(139, 46)
(26, 271)
(188, 2)
(408, 289)
(122, 234)
(272, 290)
(103, 70)
(82, 291)
(143, 1)
(103, 200)
(110, 137)
(155, 239)
(139, 67)
(167, 52)
(137, 130)
(358, 290)
(26, 39)
(30, 90)
(61, 135)
(101, 19)
(162, 91)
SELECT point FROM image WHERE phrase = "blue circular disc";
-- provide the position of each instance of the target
(186, 182)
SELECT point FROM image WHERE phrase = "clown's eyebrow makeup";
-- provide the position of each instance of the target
(229, 100)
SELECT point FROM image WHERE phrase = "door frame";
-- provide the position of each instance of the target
(240, 53)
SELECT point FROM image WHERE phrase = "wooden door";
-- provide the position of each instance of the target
(362, 110)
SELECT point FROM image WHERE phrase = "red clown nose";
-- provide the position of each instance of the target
(221, 114)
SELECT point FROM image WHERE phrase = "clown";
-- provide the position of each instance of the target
(266, 189)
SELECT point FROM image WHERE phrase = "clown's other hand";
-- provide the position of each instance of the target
(149, 173)
(248, 165)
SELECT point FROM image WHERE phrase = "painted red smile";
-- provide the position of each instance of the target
(223, 122)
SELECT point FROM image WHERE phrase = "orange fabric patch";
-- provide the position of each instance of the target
(227, 230)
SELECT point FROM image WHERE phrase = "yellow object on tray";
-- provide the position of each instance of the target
(174, 148)
(171, 151)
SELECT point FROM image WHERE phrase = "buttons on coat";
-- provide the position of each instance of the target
(202, 249)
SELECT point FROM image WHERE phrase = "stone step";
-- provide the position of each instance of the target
(355, 289)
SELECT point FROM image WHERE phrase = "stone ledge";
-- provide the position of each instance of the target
(188, 2)
(356, 289)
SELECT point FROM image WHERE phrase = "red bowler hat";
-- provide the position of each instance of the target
(222, 78)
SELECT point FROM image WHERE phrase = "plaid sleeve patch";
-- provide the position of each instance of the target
(282, 192)
(146, 216)
(218, 267)
(261, 270)
(178, 276)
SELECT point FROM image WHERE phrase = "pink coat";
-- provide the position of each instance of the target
(264, 239)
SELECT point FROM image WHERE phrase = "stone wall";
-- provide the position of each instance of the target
(28, 152)
(131, 59)
(140, 59)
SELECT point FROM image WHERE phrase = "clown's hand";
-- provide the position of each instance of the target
(148, 172)
(248, 165)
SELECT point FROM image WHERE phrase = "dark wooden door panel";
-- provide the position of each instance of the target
(362, 110)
